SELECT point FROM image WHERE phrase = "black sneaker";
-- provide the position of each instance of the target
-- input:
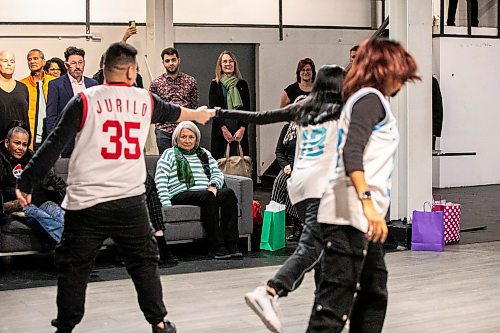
(235, 252)
(169, 328)
(221, 253)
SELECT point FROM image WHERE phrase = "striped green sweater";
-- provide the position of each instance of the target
(168, 183)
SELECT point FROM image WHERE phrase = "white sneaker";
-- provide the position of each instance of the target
(265, 306)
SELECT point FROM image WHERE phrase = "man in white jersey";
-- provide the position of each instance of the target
(105, 193)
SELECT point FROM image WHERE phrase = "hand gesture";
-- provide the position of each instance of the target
(24, 198)
(287, 170)
(238, 135)
(129, 33)
(227, 135)
(204, 114)
(377, 228)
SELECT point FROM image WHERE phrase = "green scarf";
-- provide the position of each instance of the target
(184, 172)
(233, 95)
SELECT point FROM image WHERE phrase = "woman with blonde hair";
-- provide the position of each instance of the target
(228, 91)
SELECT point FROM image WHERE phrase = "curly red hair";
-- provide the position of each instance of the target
(379, 61)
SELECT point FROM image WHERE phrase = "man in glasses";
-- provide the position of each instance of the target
(38, 86)
(62, 89)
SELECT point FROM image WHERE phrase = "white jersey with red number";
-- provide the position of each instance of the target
(107, 162)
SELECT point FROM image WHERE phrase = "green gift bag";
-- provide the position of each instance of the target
(273, 227)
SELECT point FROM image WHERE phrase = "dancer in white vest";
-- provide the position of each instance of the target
(316, 117)
(352, 210)
(105, 193)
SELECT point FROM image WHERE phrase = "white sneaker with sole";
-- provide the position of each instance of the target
(265, 306)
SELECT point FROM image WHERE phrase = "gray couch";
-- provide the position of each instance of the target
(182, 222)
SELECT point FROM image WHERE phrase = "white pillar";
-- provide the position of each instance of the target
(160, 32)
(411, 25)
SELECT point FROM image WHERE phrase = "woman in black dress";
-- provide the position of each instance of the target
(306, 74)
(228, 91)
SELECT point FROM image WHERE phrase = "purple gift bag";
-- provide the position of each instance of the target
(427, 231)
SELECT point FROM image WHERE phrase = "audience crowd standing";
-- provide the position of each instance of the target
(228, 91)
(175, 87)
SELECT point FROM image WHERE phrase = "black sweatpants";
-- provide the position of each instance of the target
(223, 234)
(353, 283)
(126, 222)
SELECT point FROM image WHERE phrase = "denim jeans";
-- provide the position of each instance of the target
(163, 140)
(307, 255)
(353, 283)
(126, 222)
(47, 219)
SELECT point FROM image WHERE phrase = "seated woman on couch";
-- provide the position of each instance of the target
(44, 215)
(187, 174)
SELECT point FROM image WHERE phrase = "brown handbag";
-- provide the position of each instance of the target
(236, 165)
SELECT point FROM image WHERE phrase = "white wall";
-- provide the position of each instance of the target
(54, 46)
(73, 11)
(469, 75)
(295, 12)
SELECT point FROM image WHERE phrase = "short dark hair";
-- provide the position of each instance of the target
(119, 55)
(170, 51)
(303, 63)
(354, 48)
(59, 63)
(73, 50)
(39, 52)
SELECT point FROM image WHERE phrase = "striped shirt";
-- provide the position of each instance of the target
(168, 183)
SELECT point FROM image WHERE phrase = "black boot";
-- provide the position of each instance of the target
(167, 258)
(296, 231)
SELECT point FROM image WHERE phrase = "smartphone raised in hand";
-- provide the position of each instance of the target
(131, 24)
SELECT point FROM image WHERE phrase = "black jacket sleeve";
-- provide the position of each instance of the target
(366, 113)
(437, 108)
(262, 117)
(242, 87)
(47, 155)
(281, 148)
(53, 182)
(164, 112)
(216, 99)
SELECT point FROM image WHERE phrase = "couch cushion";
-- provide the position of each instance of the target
(151, 161)
(181, 213)
(15, 227)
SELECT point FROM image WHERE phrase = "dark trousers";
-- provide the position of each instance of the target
(307, 255)
(126, 222)
(452, 10)
(226, 233)
(163, 140)
(350, 259)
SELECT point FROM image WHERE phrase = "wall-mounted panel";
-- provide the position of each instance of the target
(117, 11)
(46, 11)
(327, 12)
(226, 12)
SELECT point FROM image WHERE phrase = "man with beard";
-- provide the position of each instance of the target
(62, 89)
(174, 87)
(38, 87)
